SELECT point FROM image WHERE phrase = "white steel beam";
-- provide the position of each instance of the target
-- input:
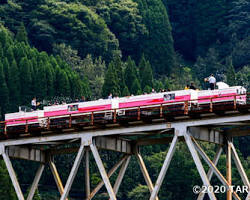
(164, 168)
(87, 176)
(214, 168)
(229, 169)
(241, 170)
(199, 165)
(210, 171)
(103, 172)
(121, 175)
(110, 173)
(73, 172)
(239, 166)
(35, 182)
(13, 177)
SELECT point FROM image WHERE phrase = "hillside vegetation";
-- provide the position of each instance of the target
(61, 50)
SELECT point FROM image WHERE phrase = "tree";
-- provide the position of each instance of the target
(63, 85)
(130, 73)
(147, 89)
(136, 88)
(25, 80)
(125, 92)
(119, 70)
(125, 21)
(50, 80)
(4, 92)
(230, 74)
(88, 33)
(111, 84)
(141, 192)
(146, 74)
(6, 69)
(14, 88)
(41, 81)
(21, 35)
(158, 44)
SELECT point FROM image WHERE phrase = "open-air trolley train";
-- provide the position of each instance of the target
(126, 108)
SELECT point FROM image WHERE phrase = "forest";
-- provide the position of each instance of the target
(61, 50)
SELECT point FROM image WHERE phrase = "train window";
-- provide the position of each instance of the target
(72, 108)
(168, 97)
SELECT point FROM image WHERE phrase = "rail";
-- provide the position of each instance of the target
(178, 107)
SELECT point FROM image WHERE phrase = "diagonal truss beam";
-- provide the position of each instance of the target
(13, 177)
(73, 172)
(110, 173)
(214, 168)
(121, 174)
(229, 169)
(199, 165)
(164, 168)
(103, 172)
(56, 177)
(35, 181)
(145, 173)
(210, 172)
(240, 168)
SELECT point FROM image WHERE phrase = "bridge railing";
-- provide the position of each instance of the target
(159, 110)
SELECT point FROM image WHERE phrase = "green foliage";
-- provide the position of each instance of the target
(136, 88)
(4, 94)
(28, 73)
(119, 70)
(158, 45)
(243, 77)
(240, 53)
(125, 92)
(86, 31)
(92, 69)
(230, 75)
(146, 73)
(14, 88)
(25, 80)
(147, 89)
(6, 69)
(125, 21)
(6, 190)
(130, 73)
(111, 84)
(21, 35)
(141, 192)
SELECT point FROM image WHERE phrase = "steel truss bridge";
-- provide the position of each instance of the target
(212, 123)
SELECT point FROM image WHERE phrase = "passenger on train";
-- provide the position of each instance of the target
(187, 87)
(33, 103)
(212, 82)
(82, 99)
(110, 96)
(192, 87)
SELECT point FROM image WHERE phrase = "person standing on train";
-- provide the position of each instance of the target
(212, 82)
(110, 96)
(33, 103)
